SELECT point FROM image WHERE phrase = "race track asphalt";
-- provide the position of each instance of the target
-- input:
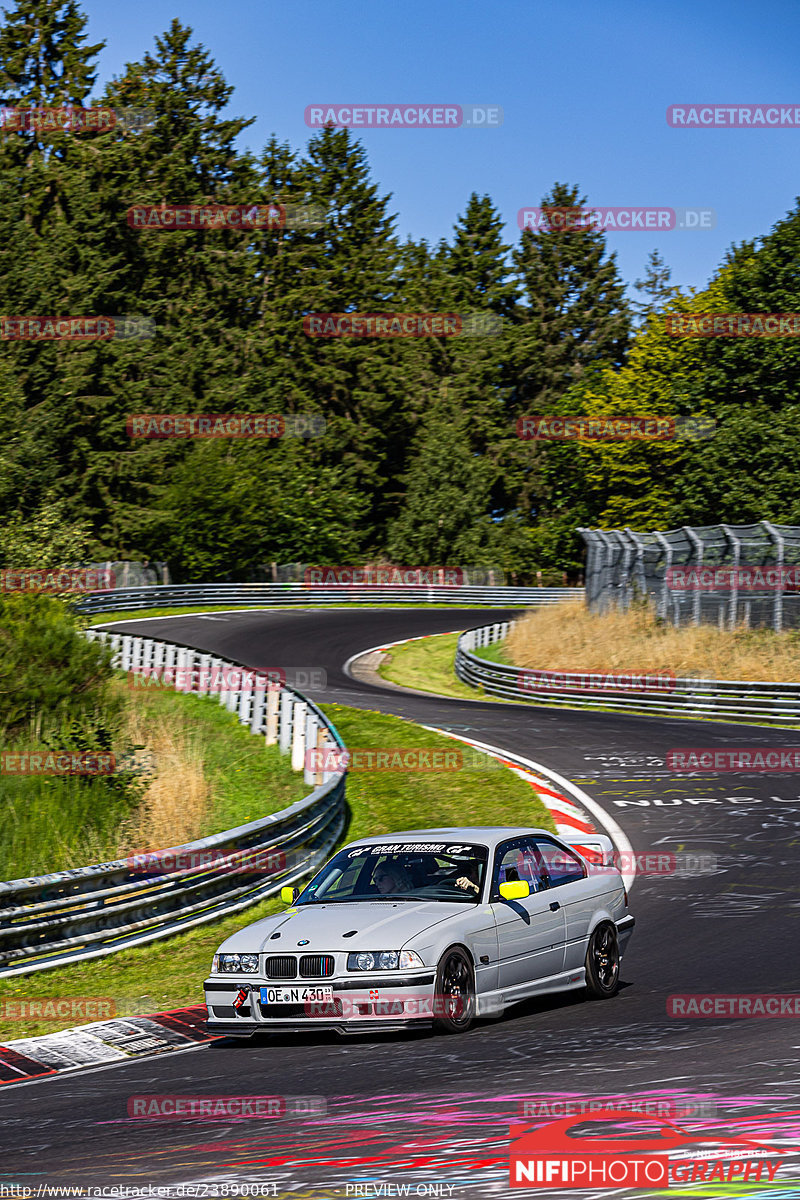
(420, 1107)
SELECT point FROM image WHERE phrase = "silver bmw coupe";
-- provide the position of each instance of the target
(435, 926)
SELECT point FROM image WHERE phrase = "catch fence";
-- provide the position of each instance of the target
(727, 575)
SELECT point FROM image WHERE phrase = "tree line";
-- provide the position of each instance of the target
(420, 461)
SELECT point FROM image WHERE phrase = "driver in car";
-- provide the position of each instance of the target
(390, 878)
(468, 881)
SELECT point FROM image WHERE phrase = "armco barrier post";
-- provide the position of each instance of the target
(323, 743)
(147, 656)
(182, 677)
(126, 651)
(170, 657)
(312, 725)
(273, 702)
(299, 735)
(245, 698)
(285, 722)
(224, 680)
(136, 654)
(257, 711)
(203, 678)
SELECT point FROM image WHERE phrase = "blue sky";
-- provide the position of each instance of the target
(584, 88)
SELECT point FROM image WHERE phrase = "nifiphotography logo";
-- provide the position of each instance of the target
(548, 1157)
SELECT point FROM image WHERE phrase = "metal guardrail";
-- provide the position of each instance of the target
(740, 700)
(162, 595)
(71, 916)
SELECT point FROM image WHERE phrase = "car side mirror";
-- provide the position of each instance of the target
(289, 894)
(518, 889)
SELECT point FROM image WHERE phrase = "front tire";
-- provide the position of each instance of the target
(454, 996)
(602, 963)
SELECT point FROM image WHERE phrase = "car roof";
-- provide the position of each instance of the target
(487, 835)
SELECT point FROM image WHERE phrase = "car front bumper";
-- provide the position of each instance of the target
(372, 1003)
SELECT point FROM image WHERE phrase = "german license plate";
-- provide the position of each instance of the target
(295, 995)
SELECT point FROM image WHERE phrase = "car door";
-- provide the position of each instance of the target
(530, 931)
(579, 895)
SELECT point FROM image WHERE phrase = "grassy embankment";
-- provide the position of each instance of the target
(170, 973)
(197, 771)
(427, 665)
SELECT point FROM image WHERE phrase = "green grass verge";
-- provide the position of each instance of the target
(170, 973)
(495, 653)
(427, 665)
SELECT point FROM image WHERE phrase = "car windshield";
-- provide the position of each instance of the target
(449, 871)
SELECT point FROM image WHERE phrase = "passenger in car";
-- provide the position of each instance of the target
(390, 878)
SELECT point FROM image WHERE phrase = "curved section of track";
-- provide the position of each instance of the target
(396, 1103)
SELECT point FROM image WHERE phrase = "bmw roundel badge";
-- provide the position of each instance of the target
(304, 942)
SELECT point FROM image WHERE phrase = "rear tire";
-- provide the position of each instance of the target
(454, 995)
(602, 963)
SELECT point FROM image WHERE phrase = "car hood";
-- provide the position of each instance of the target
(370, 925)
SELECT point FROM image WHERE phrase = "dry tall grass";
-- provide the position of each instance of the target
(175, 804)
(565, 637)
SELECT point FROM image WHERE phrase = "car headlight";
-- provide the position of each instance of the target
(383, 960)
(235, 964)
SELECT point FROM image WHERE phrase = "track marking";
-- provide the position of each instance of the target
(606, 821)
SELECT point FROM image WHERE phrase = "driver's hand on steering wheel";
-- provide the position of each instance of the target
(464, 883)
